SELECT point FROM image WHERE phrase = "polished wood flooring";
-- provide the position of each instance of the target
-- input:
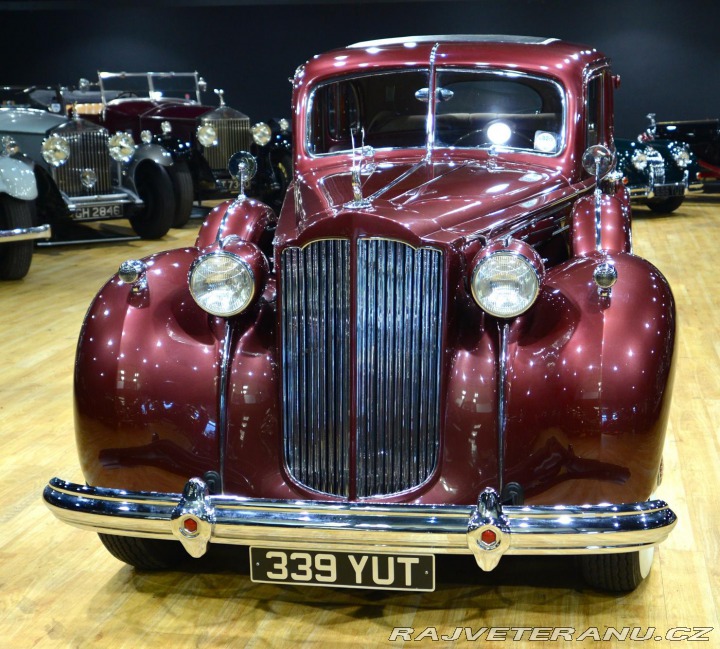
(60, 588)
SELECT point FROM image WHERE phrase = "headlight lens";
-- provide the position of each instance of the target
(261, 133)
(8, 146)
(207, 135)
(681, 156)
(639, 160)
(222, 284)
(55, 150)
(505, 284)
(122, 147)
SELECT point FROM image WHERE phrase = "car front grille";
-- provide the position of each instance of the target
(88, 151)
(657, 167)
(361, 365)
(233, 135)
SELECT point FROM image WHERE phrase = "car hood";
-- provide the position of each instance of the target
(159, 109)
(28, 120)
(435, 201)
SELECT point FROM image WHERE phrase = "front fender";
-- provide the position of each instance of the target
(154, 152)
(588, 384)
(146, 373)
(17, 179)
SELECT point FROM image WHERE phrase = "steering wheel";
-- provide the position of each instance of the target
(126, 93)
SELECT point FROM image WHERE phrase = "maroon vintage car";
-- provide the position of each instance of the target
(444, 345)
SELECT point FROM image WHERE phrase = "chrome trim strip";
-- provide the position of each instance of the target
(504, 330)
(25, 234)
(370, 527)
(223, 380)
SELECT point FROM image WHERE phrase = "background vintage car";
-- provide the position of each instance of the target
(168, 107)
(703, 138)
(447, 347)
(84, 174)
(657, 174)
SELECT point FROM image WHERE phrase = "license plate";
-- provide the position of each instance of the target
(343, 569)
(232, 185)
(90, 212)
(666, 191)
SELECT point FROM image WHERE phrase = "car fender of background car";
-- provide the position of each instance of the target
(18, 191)
(444, 345)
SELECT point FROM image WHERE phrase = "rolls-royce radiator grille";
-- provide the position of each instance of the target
(88, 151)
(361, 365)
(233, 135)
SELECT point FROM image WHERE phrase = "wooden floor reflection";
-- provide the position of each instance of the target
(60, 588)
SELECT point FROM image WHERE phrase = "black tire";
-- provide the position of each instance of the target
(182, 183)
(665, 205)
(144, 554)
(155, 188)
(15, 257)
(618, 573)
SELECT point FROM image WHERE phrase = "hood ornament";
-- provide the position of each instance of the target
(242, 166)
(363, 158)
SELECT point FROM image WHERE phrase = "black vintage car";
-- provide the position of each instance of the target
(166, 108)
(702, 136)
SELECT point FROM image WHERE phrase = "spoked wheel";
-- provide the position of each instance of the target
(182, 183)
(15, 257)
(618, 573)
(155, 188)
(144, 554)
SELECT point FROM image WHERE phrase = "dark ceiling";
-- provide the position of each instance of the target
(665, 51)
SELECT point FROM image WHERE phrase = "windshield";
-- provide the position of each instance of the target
(155, 85)
(473, 109)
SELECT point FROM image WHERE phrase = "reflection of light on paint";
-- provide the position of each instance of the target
(499, 133)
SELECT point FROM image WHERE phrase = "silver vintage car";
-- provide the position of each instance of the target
(84, 173)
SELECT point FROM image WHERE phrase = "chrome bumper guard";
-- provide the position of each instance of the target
(25, 234)
(487, 530)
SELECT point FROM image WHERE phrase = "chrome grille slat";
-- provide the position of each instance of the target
(397, 360)
(233, 136)
(88, 150)
(316, 353)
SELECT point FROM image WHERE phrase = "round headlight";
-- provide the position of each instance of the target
(505, 283)
(261, 133)
(121, 146)
(9, 146)
(639, 160)
(284, 124)
(55, 150)
(207, 135)
(222, 284)
(681, 156)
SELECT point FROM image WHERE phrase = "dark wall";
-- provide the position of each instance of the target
(665, 51)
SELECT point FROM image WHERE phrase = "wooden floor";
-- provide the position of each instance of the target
(60, 588)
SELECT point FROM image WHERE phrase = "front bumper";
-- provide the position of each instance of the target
(25, 234)
(486, 530)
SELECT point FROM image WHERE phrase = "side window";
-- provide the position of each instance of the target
(594, 113)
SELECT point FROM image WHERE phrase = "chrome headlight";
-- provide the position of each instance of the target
(284, 124)
(261, 133)
(121, 147)
(506, 279)
(222, 283)
(639, 160)
(681, 156)
(207, 135)
(55, 150)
